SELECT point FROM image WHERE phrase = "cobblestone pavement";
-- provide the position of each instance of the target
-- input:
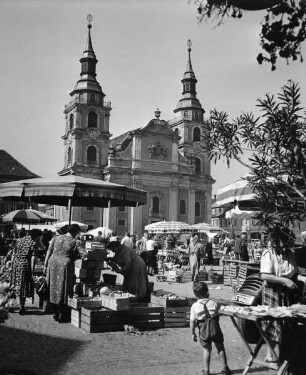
(36, 342)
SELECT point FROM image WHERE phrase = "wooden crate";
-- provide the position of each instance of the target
(78, 302)
(103, 320)
(76, 317)
(175, 317)
(147, 316)
(166, 302)
(186, 277)
(115, 303)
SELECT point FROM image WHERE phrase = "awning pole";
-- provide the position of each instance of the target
(70, 210)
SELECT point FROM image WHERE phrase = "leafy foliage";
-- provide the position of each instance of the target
(276, 141)
(283, 28)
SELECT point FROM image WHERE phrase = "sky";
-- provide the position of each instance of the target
(141, 47)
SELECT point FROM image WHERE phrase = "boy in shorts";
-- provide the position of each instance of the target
(200, 310)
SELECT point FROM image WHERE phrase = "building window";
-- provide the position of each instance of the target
(155, 204)
(197, 209)
(71, 122)
(91, 155)
(90, 208)
(197, 163)
(121, 208)
(69, 157)
(121, 222)
(92, 120)
(182, 207)
(196, 134)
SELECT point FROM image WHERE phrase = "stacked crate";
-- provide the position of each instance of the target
(175, 317)
(186, 277)
(203, 276)
(76, 303)
(147, 316)
(88, 271)
(95, 320)
(230, 275)
(175, 310)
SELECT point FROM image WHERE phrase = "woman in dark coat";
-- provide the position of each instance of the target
(59, 266)
(23, 262)
(133, 269)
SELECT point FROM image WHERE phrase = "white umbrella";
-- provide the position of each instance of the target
(61, 224)
(206, 227)
(236, 213)
(169, 227)
(106, 232)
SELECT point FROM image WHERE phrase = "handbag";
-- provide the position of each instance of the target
(209, 328)
(42, 288)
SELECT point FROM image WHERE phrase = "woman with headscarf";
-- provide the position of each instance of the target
(23, 262)
(59, 266)
(134, 270)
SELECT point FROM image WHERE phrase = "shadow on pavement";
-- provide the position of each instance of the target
(30, 353)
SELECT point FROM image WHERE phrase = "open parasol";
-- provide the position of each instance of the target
(169, 227)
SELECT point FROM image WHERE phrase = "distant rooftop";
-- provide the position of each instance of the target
(11, 169)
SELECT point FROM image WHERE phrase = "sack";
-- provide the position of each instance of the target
(42, 289)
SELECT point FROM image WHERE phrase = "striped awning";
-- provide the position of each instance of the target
(239, 191)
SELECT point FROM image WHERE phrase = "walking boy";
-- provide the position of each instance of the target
(200, 312)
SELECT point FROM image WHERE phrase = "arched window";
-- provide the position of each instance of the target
(196, 134)
(91, 154)
(92, 120)
(155, 204)
(69, 156)
(197, 209)
(71, 121)
(182, 207)
(197, 163)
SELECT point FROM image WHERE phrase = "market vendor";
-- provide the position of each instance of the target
(134, 270)
(279, 270)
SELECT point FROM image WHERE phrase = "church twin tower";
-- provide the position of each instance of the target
(164, 158)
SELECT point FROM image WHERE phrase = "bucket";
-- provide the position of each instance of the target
(109, 279)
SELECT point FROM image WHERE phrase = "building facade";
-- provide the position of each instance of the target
(164, 158)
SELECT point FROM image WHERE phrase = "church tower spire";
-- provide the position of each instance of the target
(86, 137)
(189, 102)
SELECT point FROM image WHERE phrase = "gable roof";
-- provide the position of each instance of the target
(11, 169)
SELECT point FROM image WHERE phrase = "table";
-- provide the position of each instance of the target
(297, 326)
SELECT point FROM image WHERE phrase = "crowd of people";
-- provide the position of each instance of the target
(135, 258)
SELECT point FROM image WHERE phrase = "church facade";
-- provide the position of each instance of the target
(164, 158)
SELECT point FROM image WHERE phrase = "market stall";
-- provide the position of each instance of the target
(295, 319)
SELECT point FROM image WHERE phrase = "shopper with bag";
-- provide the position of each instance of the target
(204, 315)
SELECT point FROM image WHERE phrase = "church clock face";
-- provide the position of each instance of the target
(197, 147)
(93, 134)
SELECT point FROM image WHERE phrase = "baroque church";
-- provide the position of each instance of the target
(164, 158)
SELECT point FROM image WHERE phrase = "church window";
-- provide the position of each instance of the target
(155, 204)
(92, 97)
(121, 222)
(197, 163)
(92, 120)
(69, 157)
(182, 207)
(121, 208)
(71, 121)
(196, 135)
(197, 209)
(91, 155)
(176, 131)
(185, 114)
